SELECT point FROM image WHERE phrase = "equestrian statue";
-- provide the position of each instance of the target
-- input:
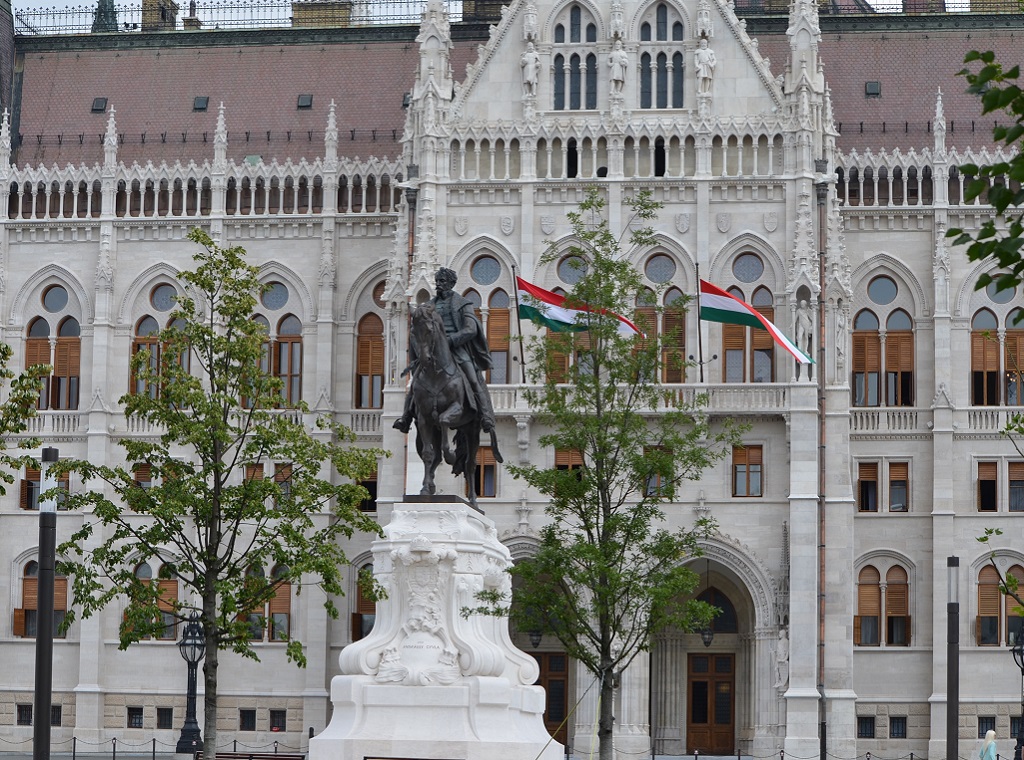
(448, 390)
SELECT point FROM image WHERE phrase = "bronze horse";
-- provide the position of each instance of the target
(443, 402)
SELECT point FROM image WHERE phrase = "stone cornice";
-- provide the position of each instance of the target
(890, 22)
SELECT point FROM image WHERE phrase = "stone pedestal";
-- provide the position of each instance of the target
(429, 683)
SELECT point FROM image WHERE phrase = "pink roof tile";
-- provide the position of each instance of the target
(152, 92)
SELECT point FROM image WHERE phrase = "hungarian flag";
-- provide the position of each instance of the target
(718, 306)
(549, 309)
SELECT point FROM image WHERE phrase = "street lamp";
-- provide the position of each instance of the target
(193, 648)
(44, 607)
(952, 658)
(1018, 658)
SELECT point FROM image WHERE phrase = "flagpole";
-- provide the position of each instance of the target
(700, 339)
(519, 324)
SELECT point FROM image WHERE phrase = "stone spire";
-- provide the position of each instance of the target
(220, 139)
(940, 126)
(110, 142)
(331, 139)
(5, 142)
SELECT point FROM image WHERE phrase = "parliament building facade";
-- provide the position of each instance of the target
(808, 153)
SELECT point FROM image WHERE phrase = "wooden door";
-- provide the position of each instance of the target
(554, 677)
(710, 716)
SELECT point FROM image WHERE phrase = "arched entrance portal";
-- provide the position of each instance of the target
(711, 698)
(711, 685)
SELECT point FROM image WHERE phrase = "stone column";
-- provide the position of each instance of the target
(633, 723)
(802, 698)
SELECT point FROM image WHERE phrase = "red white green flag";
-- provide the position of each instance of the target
(718, 306)
(550, 309)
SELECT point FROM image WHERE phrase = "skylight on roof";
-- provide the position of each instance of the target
(99, 105)
(200, 103)
(304, 102)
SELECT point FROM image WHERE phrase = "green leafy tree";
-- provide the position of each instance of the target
(240, 484)
(15, 412)
(1000, 238)
(609, 573)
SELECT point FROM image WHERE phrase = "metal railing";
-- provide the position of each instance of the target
(240, 14)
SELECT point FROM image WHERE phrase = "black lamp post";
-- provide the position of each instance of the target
(44, 614)
(952, 658)
(707, 633)
(1018, 657)
(193, 649)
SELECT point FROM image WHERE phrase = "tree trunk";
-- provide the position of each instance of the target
(210, 665)
(606, 722)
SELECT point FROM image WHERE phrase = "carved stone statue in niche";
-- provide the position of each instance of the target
(704, 65)
(529, 63)
(618, 62)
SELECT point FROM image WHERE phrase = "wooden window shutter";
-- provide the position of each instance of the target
(24, 498)
(984, 353)
(497, 329)
(29, 593)
(60, 593)
(282, 473)
(896, 599)
(1014, 351)
(868, 470)
(674, 320)
(986, 470)
(485, 455)
(254, 472)
(856, 629)
(872, 353)
(899, 471)
(568, 458)
(1017, 572)
(281, 601)
(376, 356)
(869, 599)
(67, 357)
(168, 590)
(646, 318)
(899, 352)
(143, 472)
(988, 592)
(19, 623)
(734, 337)
(1016, 470)
(37, 351)
(364, 355)
(365, 605)
(753, 454)
(859, 352)
(762, 339)
(558, 363)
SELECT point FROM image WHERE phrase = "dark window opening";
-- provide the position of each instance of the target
(200, 103)
(246, 720)
(865, 727)
(278, 720)
(897, 727)
(165, 717)
(304, 102)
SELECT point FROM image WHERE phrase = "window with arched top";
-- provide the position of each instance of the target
(986, 626)
(279, 608)
(256, 617)
(61, 389)
(499, 323)
(984, 359)
(147, 338)
(662, 73)
(673, 340)
(167, 588)
(897, 607)
(1014, 357)
(867, 359)
(749, 353)
(869, 608)
(26, 617)
(37, 351)
(574, 66)
(365, 607)
(370, 362)
(899, 359)
(288, 359)
(1014, 622)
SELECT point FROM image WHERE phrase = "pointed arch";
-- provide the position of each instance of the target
(41, 278)
(126, 313)
(747, 240)
(884, 263)
(275, 269)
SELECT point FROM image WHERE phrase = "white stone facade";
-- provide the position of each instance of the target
(491, 164)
